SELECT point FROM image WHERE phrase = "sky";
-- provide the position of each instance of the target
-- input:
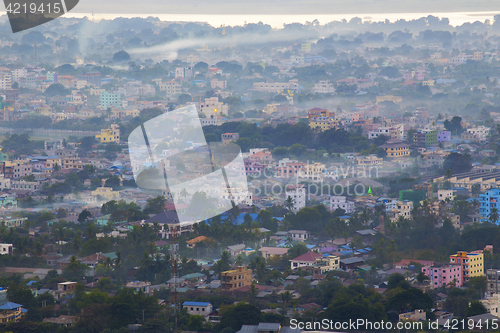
(275, 7)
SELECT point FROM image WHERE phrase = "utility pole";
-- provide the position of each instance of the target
(175, 273)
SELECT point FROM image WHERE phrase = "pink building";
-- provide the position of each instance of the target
(441, 275)
(289, 169)
(252, 167)
(444, 136)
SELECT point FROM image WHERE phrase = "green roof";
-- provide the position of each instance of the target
(192, 276)
(110, 255)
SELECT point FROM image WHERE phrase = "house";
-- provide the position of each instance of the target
(64, 288)
(140, 286)
(298, 235)
(198, 308)
(338, 201)
(269, 252)
(235, 249)
(418, 314)
(307, 259)
(268, 328)
(192, 242)
(236, 278)
(11, 312)
(6, 248)
(170, 225)
(326, 264)
(62, 321)
(351, 263)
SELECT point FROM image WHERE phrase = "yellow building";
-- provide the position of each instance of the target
(396, 148)
(111, 134)
(106, 193)
(472, 263)
(312, 171)
(390, 98)
(236, 278)
(11, 312)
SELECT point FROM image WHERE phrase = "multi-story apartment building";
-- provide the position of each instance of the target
(442, 275)
(425, 138)
(298, 195)
(111, 134)
(171, 88)
(184, 72)
(443, 136)
(396, 148)
(492, 281)
(229, 137)
(313, 171)
(487, 201)
(23, 185)
(402, 208)
(338, 201)
(108, 100)
(394, 132)
(236, 278)
(93, 78)
(276, 86)
(5, 81)
(12, 222)
(289, 168)
(472, 263)
(323, 87)
(323, 265)
(212, 106)
(106, 193)
(369, 161)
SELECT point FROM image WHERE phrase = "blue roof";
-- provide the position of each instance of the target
(23, 310)
(30, 283)
(10, 306)
(309, 246)
(279, 218)
(196, 303)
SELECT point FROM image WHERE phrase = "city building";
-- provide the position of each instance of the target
(229, 137)
(396, 148)
(472, 264)
(425, 138)
(275, 87)
(171, 88)
(106, 193)
(298, 195)
(11, 312)
(198, 308)
(110, 134)
(289, 168)
(488, 201)
(313, 171)
(236, 278)
(140, 286)
(442, 275)
(108, 100)
(6, 248)
(338, 201)
(212, 106)
(492, 281)
(298, 235)
(307, 259)
(413, 315)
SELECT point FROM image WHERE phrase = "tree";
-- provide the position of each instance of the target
(493, 216)
(234, 316)
(84, 215)
(454, 126)
(56, 89)
(155, 205)
(475, 308)
(457, 163)
(121, 56)
(289, 203)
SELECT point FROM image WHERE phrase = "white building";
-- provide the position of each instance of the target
(298, 195)
(323, 87)
(338, 201)
(6, 248)
(445, 194)
(393, 132)
(198, 308)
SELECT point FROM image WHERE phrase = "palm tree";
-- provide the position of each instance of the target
(286, 297)
(289, 203)
(225, 260)
(493, 216)
(108, 264)
(253, 292)
(239, 260)
(448, 173)
(259, 265)
(118, 261)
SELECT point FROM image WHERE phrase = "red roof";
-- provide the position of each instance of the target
(406, 262)
(309, 256)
